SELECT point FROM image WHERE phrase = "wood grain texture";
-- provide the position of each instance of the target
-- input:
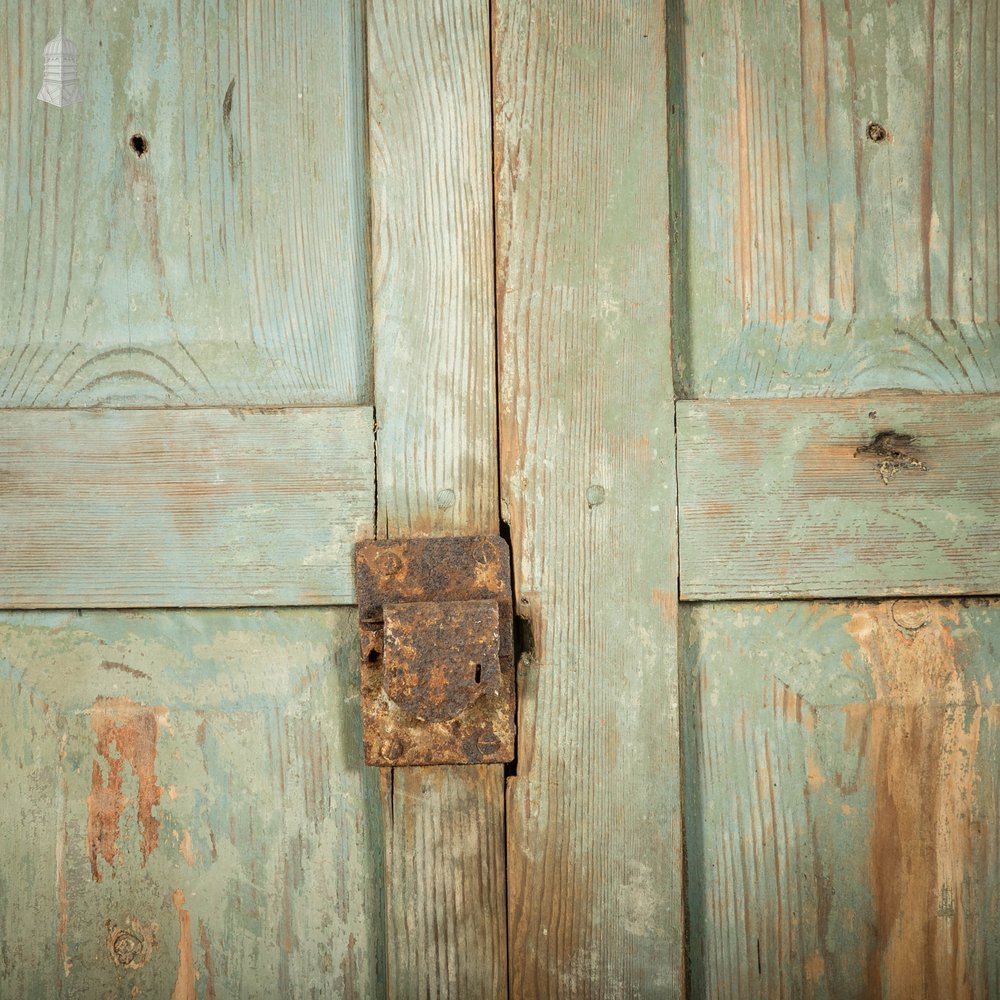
(841, 794)
(183, 508)
(859, 497)
(228, 264)
(435, 393)
(256, 870)
(810, 258)
(594, 822)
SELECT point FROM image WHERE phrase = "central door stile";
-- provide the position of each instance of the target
(588, 482)
(433, 313)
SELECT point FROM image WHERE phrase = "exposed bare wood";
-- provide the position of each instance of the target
(186, 811)
(435, 390)
(183, 508)
(594, 836)
(829, 498)
(840, 799)
(225, 265)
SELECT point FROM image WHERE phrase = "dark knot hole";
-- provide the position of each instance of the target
(139, 144)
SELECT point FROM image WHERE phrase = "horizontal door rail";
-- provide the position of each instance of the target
(867, 496)
(183, 508)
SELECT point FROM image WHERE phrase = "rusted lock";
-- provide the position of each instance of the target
(437, 650)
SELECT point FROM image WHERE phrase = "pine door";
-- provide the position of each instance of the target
(263, 237)
(836, 308)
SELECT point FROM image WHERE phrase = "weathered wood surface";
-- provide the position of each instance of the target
(811, 259)
(194, 780)
(228, 264)
(795, 498)
(841, 798)
(435, 392)
(594, 822)
(183, 508)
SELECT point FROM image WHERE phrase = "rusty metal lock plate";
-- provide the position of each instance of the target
(437, 650)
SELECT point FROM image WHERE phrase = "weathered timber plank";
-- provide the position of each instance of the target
(840, 800)
(871, 496)
(183, 508)
(435, 392)
(185, 791)
(811, 258)
(594, 821)
(226, 265)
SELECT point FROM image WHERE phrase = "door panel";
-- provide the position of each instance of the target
(186, 806)
(587, 464)
(435, 396)
(226, 265)
(813, 256)
(841, 793)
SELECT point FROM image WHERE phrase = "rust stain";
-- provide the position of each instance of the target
(131, 729)
(184, 988)
(922, 744)
(112, 665)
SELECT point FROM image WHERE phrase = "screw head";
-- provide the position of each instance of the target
(392, 749)
(910, 615)
(488, 743)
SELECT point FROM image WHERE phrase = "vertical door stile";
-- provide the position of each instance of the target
(588, 483)
(436, 410)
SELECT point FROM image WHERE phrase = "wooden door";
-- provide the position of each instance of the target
(264, 224)
(186, 461)
(502, 240)
(837, 287)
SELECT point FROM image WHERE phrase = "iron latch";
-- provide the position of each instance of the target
(437, 650)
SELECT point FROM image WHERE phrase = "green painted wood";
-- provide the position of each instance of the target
(797, 498)
(809, 258)
(587, 480)
(435, 396)
(840, 798)
(194, 780)
(181, 508)
(228, 264)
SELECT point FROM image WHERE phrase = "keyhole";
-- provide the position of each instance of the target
(479, 673)
(139, 144)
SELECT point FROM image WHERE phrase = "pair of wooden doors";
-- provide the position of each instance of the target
(284, 254)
